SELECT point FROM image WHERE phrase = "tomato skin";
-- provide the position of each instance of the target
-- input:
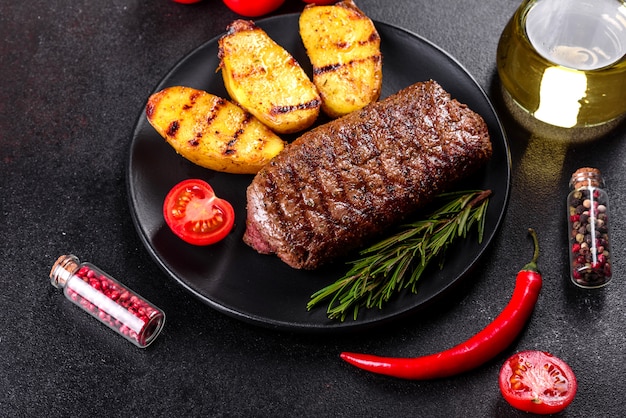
(187, 1)
(253, 8)
(528, 382)
(320, 2)
(196, 215)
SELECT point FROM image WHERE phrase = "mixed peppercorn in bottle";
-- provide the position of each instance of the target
(588, 220)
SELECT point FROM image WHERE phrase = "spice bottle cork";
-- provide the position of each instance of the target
(588, 220)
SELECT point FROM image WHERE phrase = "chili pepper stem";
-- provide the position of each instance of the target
(532, 265)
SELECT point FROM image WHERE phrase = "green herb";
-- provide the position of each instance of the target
(397, 262)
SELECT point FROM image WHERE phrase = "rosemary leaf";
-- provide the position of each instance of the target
(397, 262)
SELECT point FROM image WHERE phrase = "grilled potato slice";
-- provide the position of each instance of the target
(266, 80)
(344, 48)
(211, 131)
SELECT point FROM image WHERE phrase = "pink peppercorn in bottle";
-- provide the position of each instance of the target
(113, 304)
(588, 220)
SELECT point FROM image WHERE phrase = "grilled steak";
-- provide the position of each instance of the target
(344, 182)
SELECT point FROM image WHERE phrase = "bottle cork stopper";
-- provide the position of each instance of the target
(62, 270)
(586, 177)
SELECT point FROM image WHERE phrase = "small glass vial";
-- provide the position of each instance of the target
(113, 304)
(588, 220)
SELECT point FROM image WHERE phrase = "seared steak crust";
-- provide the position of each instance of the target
(348, 180)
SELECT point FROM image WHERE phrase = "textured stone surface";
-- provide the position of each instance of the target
(74, 77)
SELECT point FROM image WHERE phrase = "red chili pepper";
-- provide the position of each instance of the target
(477, 350)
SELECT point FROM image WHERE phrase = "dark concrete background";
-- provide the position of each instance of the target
(74, 77)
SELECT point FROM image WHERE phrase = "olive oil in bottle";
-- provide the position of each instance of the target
(563, 62)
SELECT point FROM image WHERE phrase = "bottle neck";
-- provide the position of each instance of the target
(63, 269)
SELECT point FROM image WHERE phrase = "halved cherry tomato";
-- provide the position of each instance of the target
(537, 382)
(196, 215)
(320, 2)
(253, 8)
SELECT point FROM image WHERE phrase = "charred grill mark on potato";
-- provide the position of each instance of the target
(373, 38)
(240, 25)
(281, 110)
(252, 71)
(231, 146)
(292, 62)
(246, 120)
(173, 128)
(213, 113)
(212, 116)
(339, 66)
(326, 69)
(194, 142)
(150, 106)
(192, 100)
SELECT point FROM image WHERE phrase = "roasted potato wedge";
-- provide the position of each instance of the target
(266, 80)
(344, 48)
(211, 131)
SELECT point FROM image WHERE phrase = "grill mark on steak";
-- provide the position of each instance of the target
(353, 184)
(334, 186)
(299, 213)
(350, 175)
(344, 182)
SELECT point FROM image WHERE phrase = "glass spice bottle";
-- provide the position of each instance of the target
(113, 304)
(588, 220)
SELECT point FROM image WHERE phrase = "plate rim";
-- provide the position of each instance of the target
(348, 324)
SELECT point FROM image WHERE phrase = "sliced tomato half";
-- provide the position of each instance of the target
(196, 215)
(537, 382)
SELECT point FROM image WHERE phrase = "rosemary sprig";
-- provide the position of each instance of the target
(397, 262)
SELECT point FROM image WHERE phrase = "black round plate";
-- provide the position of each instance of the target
(236, 280)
